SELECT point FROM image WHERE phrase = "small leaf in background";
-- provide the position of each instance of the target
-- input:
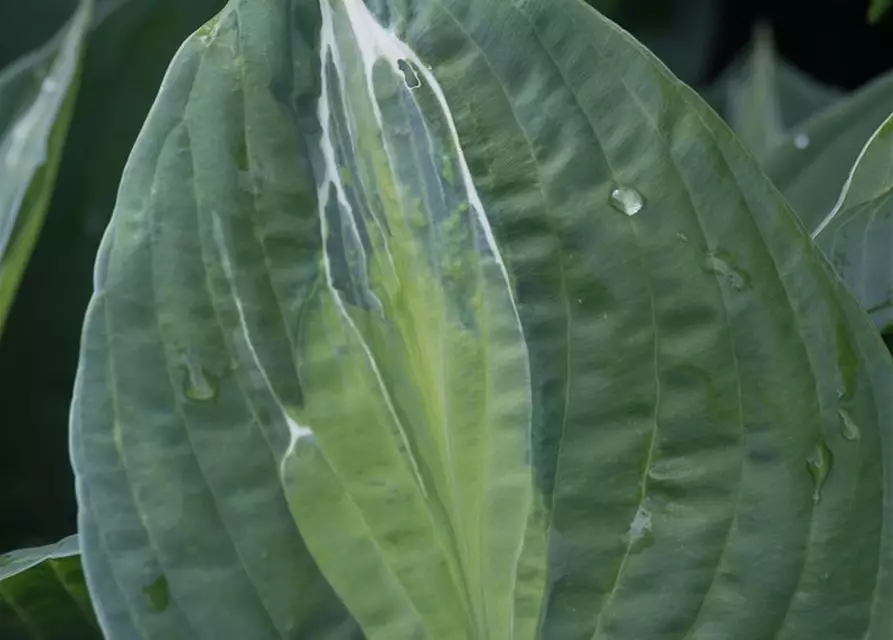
(43, 595)
(878, 9)
(812, 163)
(871, 175)
(37, 95)
(528, 342)
(857, 236)
(763, 97)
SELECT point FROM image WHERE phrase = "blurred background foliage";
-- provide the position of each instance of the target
(816, 50)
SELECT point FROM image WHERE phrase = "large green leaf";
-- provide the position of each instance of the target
(43, 595)
(811, 165)
(479, 307)
(764, 97)
(36, 100)
(857, 235)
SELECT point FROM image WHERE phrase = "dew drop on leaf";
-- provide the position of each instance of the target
(639, 536)
(627, 201)
(718, 265)
(801, 141)
(848, 427)
(819, 466)
(156, 594)
(199, 385)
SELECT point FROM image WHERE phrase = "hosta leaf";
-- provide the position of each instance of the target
(763, 97)
(478, 306)
(858, 234)
(215, 544)
(43, 595)
(36, 99)
(812, 164)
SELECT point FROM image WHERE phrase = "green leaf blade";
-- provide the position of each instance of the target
(877, 9)
(43, 594)
(37, 95)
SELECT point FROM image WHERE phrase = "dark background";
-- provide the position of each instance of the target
(829, 39)
(129, 50)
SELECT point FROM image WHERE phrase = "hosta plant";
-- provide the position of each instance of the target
(462, 319)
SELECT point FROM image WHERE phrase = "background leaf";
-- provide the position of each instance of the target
(858, 235)
(43, 595)
(764, 97)
(812, 164)
(312, 286)
(877, 9)
(37, 96)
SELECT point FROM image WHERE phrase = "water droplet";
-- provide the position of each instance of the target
(49, 85)
(682, 236)
(848, 427)
(199, 384)
(579, 300)
(819, 465)
(410, 77)
(156, 594)
(639, 536)
(718, 265)
(801, 141)
(627, 200)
